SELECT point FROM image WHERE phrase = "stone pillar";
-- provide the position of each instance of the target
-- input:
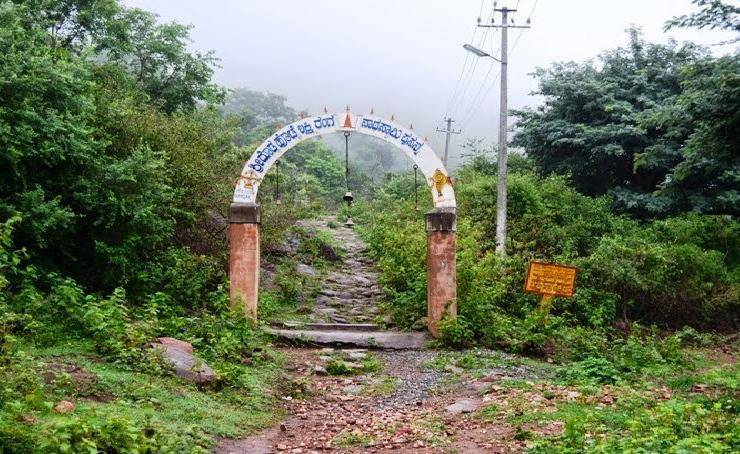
(441, 273)
(244, 258)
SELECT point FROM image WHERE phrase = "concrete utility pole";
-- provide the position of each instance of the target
(447, 132)
(501, 195)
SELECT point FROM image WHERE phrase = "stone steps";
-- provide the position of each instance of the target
(368, 339)
(327, 326)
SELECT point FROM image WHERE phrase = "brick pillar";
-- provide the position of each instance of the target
(441, 274)
(244, 257)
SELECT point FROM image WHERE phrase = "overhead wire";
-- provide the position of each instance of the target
(465, 65)
(469, 115)
(471, 71)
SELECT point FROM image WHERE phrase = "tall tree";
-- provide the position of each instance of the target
(592, 126)
(154, 55)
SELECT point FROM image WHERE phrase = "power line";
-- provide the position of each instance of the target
(471, 71)
(469, 115)
(465, 64)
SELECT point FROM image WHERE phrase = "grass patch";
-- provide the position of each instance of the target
(386, 386)
(111, 401)
(355, 438)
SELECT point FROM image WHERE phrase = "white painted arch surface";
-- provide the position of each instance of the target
(272, 149)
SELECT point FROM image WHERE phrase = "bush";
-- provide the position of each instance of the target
(670, 272)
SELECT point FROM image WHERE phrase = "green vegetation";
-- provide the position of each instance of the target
(117, 170)
(118, 159)
(121, 409)
(651, 125)
(630, 174)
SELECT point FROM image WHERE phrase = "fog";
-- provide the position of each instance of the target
(405, 57)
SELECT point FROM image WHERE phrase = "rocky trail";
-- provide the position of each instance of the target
(346, 308)
(394, 396)
(407, 405)
(350, 293)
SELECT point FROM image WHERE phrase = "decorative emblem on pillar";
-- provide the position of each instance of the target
(439, 179)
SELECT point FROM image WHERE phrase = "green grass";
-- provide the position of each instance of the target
(659, 411)
(386, 386)
(178, 409)
(479, 362)
(347, 439)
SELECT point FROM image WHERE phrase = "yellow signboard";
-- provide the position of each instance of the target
(550, 279)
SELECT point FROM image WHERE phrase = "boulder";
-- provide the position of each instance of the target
(187, 347)
(186, 365)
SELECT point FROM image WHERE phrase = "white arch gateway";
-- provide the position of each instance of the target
(272, 149)
(245, 213)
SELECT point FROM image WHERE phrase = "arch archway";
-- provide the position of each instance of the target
(244, 217)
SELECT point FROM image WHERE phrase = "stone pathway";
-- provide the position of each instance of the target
(351, 292)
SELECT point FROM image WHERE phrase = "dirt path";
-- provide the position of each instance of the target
(408, 406)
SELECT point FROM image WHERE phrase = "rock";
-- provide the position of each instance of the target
(492, 377)
(327, 350)
(356, 355)
(461, 406)
(454, 369)
(187, 347)
(302, 268)
(186, 364)
(267, 279)
(318, 370)
(64, 406)
(28, 419)
(328, 253)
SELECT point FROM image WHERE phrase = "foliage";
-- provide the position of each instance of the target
(255, 109)
(650, 125)
(627, 271)
(713, 14)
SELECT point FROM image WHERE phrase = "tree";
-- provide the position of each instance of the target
(154, 55)
(707, 178)
(713, 14)
(104, 181)
(606, 126)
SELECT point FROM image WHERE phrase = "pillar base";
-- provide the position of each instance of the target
(441, 224)
(244, 258)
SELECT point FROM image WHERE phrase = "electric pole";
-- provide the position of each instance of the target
(447, 132)
(501, 195)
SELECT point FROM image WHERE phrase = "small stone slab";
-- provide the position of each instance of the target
(461, 406)
(379, 339)
(302, 268)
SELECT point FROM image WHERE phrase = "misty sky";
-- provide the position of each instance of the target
(404, 57)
